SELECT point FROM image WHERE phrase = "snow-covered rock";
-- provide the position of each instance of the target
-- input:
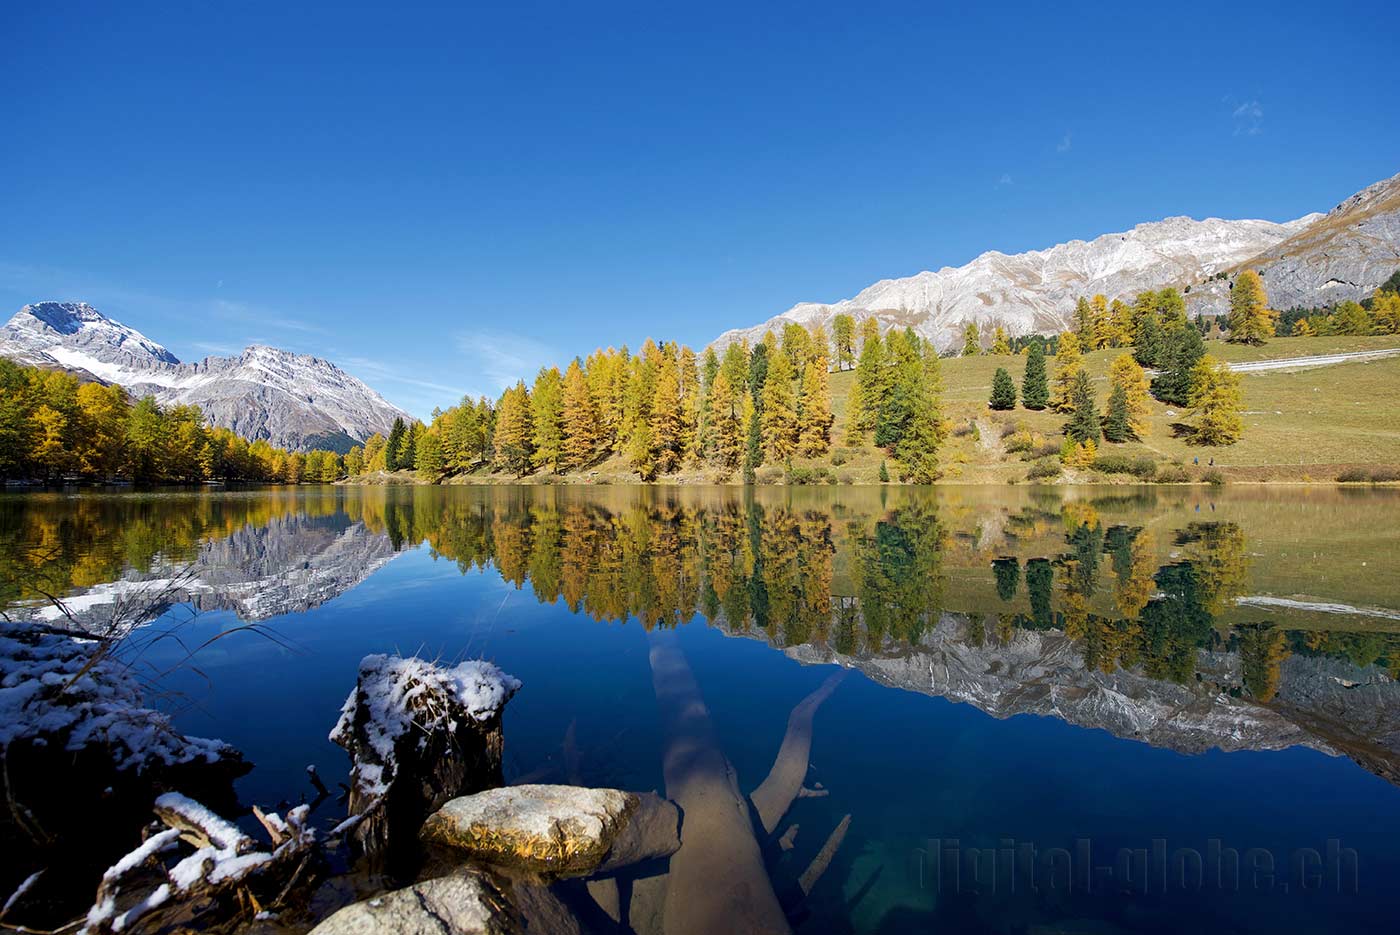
(291, 400)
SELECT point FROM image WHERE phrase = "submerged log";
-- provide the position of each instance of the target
(418, 735)
(717, 881)
(785, 780)
(557, 830)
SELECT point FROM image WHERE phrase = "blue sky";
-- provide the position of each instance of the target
(442, 198)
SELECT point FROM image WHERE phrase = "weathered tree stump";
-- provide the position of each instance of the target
(418, 735)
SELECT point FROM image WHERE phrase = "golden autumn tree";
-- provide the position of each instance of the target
(778, 416)
(580, 420)
(667, 439)
(814, 409)
(1251, 319)
(1124, 372)
(1216, 398)
(513, 430)
(1068, 365)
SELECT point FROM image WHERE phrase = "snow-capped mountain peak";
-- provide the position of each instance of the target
(292, 400)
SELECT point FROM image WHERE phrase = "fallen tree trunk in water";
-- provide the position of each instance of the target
(717, 881)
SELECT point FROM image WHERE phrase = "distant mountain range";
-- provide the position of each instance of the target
(294, 401)
(1314, 260)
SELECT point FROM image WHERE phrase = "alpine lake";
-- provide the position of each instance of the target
(1092, 710)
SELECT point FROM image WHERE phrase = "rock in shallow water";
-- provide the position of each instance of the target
(561, 830)
(462, 904)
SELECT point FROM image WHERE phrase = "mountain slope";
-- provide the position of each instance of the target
(1036, 291)
(292, 400)
(1344, 256)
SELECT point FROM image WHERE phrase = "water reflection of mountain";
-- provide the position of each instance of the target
(290, 563)
(1122, 612)
(1328, 704)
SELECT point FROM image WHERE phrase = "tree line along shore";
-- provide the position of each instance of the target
(1129, 391)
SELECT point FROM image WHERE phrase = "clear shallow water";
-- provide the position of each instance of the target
(1125, 681)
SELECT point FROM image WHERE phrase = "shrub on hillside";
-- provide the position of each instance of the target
(1144, 468)
(1172, 474)
(803, 476)
(1044, 468)
(768, 474)
(1214, 478)
(1369, 476)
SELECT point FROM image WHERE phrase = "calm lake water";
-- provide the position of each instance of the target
(1093, 710)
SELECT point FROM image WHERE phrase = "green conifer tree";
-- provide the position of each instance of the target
(1035, 387)
(1003, 391)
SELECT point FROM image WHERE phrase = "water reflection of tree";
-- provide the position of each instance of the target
(861, 574)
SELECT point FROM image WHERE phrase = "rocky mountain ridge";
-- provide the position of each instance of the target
(294, 401)
(1313, 260)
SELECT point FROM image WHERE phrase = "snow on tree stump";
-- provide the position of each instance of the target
(418, 734)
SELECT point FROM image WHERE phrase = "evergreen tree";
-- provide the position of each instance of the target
(871, 385)
(1068, 366)
(753, 451)
(705, 428)
(547, 419)
(1003, 391)
(1251, 319)
(1182, 348)
(1115, 426)
(972, 341)
(905, 382)
(1215, 403)
(884, 474)
(391, 447)
(1147, 342)
(1083, 424)
(579, 420)
(1035, 391)
(758, 372)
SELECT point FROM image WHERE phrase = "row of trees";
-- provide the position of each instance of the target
(662, 410)
(1377, 314)
(52, 427)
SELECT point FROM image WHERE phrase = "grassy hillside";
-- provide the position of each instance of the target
(1309, 424)
(1306, 424)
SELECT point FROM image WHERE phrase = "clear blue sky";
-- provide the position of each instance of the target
(441, 198)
